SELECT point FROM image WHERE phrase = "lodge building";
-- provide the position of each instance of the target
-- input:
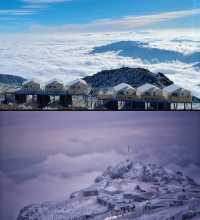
(120, 97)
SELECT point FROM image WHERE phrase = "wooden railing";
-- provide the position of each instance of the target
(180, 98)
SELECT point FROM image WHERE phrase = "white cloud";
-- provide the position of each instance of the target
(44, 187)
(18, 12)
(131, 22)
(67, 55)
(65, 166)
(57, 177)
(122, 24)
(28, 9)
(57, 164)
(44, 1)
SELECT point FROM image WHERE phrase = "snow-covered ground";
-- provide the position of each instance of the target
(127, 191)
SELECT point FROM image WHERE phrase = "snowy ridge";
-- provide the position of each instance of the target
(126, 191)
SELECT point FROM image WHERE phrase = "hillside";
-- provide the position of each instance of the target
(133, 76)
(125, 191)
(11, 79)
(106, 78)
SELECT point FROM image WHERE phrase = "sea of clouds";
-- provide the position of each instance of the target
(67, 56)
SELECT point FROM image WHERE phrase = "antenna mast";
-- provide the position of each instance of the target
(129, 151)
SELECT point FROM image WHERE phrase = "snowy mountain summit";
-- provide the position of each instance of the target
(127, 191)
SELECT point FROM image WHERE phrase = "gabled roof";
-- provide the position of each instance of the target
(122, 86)
(172, 88)
(147, 86)
(54, 80)
(81, 81)
(32, 80)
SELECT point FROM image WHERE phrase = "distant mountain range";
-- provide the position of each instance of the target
(127, 191)
(136, 49)
(11, 79)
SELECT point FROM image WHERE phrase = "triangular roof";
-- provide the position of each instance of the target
(172, 88)
(54, 80)
(77, 81)
(147, 86)
(122, 86)
(32, 80)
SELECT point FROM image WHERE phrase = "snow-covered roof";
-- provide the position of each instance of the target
(81, 81)
(122, 86)
(172, 88)
(32, 80)
(54, 80)
(147, 86)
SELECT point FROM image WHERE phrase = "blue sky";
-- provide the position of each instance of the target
(18, 15)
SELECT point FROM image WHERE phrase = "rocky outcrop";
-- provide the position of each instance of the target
(133, 76)
(11, 79)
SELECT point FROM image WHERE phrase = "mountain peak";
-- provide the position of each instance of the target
(125, 191)
(138, 171)
(133, 76)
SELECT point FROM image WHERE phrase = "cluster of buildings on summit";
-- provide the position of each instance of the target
(122, 92)
(76, 87)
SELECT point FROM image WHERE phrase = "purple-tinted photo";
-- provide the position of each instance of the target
(99, 165)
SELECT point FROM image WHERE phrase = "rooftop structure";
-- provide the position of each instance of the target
(124, 91)
(54, 85)
(176, 93)
(78, 87)
(78, 94)
(32, 84)
(149, 91)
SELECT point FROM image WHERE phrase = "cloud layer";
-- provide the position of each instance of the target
(122, 24)
(68, 55)
(128, 23)
(44, 1)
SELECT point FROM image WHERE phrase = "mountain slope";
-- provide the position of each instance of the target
(133, 76)
(11, 79)
(197, 66)
(127, 191)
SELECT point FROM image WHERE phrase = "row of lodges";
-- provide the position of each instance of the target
(52, 88)
(122, 92)
(76, 87)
